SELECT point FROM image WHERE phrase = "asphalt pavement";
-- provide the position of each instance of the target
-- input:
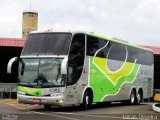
(11, 110)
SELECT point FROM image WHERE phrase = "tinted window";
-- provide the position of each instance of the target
(117, 51)
(94, 44)
(143, 56)
(47, 44)
(76, 58)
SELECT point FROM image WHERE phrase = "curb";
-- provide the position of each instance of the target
(156, 107)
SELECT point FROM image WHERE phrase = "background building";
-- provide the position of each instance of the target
(156, 52)
(9, 48)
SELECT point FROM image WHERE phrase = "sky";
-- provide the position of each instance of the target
(136, 21)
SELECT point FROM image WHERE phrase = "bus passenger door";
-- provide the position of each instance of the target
(75, 67)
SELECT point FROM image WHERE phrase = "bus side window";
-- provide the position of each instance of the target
(76, 58)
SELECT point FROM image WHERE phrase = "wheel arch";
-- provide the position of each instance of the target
(89, 89)
(133, 88)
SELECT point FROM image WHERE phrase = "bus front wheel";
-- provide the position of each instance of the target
(47, 107)
(87, 101)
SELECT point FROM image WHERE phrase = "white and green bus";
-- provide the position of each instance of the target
(79, 68)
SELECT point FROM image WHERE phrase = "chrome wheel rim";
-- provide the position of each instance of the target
(87, 100)
(132, 98)
(138, 98)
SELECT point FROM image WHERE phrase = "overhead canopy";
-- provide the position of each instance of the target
(12, 42)
(156, 50)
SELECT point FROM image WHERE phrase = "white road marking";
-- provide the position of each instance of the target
(84, 115)
(69, 118)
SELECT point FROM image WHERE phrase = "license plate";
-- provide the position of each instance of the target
(36, 100)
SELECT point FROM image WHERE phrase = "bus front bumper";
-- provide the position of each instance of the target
(49, 100)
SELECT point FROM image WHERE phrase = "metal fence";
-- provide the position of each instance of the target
(8, 90)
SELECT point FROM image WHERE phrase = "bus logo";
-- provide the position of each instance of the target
(40, 82)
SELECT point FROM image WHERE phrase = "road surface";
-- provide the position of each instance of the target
(115, 111)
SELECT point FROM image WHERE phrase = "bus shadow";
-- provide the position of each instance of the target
(77, 108)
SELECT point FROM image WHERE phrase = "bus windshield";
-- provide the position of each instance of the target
(43, 72)
(47, 44)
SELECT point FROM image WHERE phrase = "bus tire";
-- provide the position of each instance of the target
(87, 101)
(139, 97)
(47, 107)
(132, 100)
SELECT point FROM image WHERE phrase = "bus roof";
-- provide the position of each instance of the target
(116, 40)
(94, 35)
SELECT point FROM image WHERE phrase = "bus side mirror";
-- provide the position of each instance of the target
(10, 63)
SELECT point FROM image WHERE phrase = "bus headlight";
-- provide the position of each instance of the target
(60, 101)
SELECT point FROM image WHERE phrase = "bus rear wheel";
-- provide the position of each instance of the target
(132, 97)
(87, 101)
(139, 98)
